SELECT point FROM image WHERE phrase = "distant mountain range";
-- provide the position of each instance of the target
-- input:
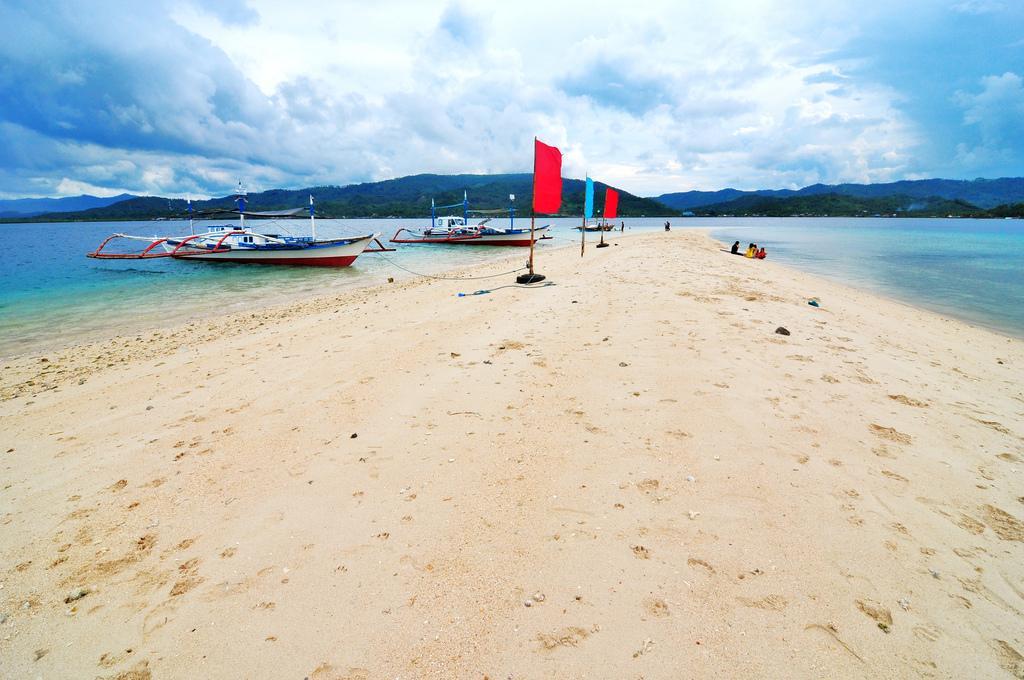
(402, 197)
(843, 205)
(411, 196)
(983, 193)
(28, 207)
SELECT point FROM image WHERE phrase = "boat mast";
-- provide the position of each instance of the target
(312, 220)
(191, 227)
(240, 202)
(433, 214)
(511, 210)
(465, 209)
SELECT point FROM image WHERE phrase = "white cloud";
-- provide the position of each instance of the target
(996, 111)
(179, 97)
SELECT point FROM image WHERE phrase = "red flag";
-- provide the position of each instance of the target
(547, 178)
(611, 203)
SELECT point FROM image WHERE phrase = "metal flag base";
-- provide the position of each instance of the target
(530, 278)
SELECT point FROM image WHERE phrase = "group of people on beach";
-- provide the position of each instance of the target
(752, 251)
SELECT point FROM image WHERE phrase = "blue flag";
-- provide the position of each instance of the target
(588, 200)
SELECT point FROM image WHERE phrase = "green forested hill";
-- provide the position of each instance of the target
(841, 205)
(402, 197)
(984, 193)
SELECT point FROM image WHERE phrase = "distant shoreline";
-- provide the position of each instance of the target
(81, 337)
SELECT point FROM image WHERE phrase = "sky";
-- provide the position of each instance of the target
(177, 98)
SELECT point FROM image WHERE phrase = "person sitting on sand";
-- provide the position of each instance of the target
(751, 250)
(761, 254)
(667, 226)
(735, 248)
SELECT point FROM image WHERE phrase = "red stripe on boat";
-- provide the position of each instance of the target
(341, 261)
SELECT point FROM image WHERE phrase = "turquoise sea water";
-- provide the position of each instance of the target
(51, 294)
(968, 269)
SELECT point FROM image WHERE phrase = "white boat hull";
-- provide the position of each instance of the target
(337, 253)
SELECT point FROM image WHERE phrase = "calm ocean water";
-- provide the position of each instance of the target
(968, 269)
(51, 294)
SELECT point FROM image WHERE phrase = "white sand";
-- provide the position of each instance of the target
(687, 493)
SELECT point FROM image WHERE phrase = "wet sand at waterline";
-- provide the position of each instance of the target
(627, 473)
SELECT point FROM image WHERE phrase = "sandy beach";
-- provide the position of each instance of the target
(627, 473)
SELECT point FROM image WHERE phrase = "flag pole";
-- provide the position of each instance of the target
(533, 203)
(531, 277)
(532, 219)
(583, 229)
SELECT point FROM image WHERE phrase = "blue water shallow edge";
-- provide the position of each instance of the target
(971, 270)
(52, 295)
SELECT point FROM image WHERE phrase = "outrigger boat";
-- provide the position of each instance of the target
(228, 243)
(596, 226)
(457, 230)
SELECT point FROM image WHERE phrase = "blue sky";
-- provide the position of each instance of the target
(177, 98)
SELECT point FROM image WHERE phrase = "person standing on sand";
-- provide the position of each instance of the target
(735, 248)
(623, 229)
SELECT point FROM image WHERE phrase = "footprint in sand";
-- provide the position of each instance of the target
(892, 475)
(655, 606)
(969, 524)
(775, 603)
(111, 659)
(695, 562)
(907, 401)
(890, 434)
(998, 427)
(881, 615)
(1010, 660)
(882, 451)
(185, 544)
(567, 637)
(641, 552)
(648, 485)
(1006, 526)
(927, 633)
(187, 578)
(961, 601)
(326, 671)
(139, 672)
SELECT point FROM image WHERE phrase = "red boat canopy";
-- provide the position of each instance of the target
(611, 203)
(547, 178)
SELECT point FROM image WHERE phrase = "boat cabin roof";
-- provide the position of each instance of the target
(449, 221)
